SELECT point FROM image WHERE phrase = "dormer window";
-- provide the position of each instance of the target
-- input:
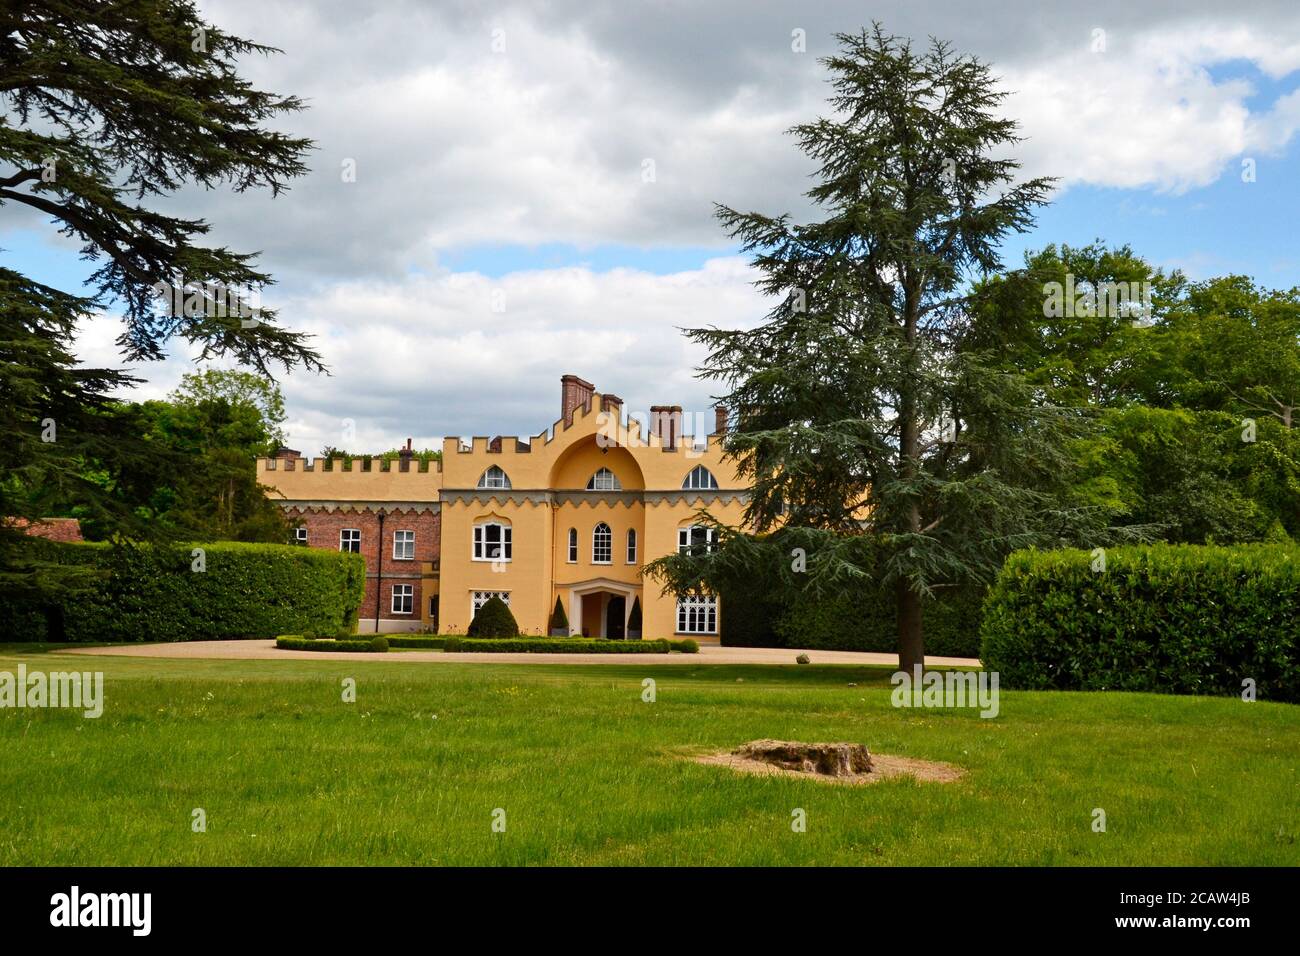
(494, 477)
(700, 479)
(604, 480)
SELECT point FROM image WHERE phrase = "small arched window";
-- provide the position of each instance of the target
(602, 544)
(494, 477)
(631, 545)
(604, 480)
(700, 478)
(573, 545)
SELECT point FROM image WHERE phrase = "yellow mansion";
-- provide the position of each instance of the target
(573, 513)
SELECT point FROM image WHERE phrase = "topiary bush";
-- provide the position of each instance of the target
(559, 620)
(206, 591)
(493, 620)
(1184, 619)
(685, 646)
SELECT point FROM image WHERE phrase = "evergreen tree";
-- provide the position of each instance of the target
(108, 103)
(886, 449)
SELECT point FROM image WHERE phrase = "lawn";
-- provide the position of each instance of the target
(587, 773)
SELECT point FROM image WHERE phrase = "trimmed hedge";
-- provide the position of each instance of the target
(688, 646)
(558, 645)
(244, 590)
(1185, 619)
(434, 643)
(374, 645)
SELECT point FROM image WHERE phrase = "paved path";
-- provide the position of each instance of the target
(266, 651)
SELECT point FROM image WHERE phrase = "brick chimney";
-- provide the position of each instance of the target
(404, 456)
(283, 453)
(720, 420)
(574, 393)
(611, 403)
(666, 424)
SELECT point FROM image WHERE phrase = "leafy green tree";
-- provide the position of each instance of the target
(106, 104)
(238, 388)
(886, 449)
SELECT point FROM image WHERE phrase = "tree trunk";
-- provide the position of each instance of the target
(911, 641)
(911, 644)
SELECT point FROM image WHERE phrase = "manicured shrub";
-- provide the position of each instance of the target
(401, 640)
(1184, 619)
(561, 645)
(206, 591)
(559, 620)
(687, 646)
(493, 620)
(360, 646)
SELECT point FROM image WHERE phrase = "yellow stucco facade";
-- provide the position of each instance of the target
(574, 513)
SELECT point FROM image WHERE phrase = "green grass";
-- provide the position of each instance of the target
(589, 774)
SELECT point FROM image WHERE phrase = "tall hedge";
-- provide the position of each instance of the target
(1175, 618)
(242, 590)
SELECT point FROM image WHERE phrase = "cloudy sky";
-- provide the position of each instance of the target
(502, 229)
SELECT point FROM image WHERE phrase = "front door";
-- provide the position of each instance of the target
(615, 612)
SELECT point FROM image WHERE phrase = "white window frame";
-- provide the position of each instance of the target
(494, 477)
(631, 545)
(300, 534)
(685, 534)
(608, 548)
(478, 598)
(604, 480)
(697, 614)
(700, 478)
(407, 552)
(573, 546)
(407, 593)
(349, 536)
(505, 542)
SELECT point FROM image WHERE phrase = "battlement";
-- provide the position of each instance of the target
(295, 478)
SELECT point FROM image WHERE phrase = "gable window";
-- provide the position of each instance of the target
(350, 540)
(604, 480)
(300, 535)
(479, 598)
(696, 539)
(697, 614)
(403, 545)
(602, 544)
(700, 478)
(492, 542)
(631, 545)
(403, 598)
(494, 477)
(573, 545)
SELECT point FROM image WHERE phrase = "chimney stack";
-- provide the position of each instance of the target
(574, 393)
(404, 456)
(666, 424)
(720, 420)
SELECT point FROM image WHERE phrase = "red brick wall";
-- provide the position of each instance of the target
(323, 530)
